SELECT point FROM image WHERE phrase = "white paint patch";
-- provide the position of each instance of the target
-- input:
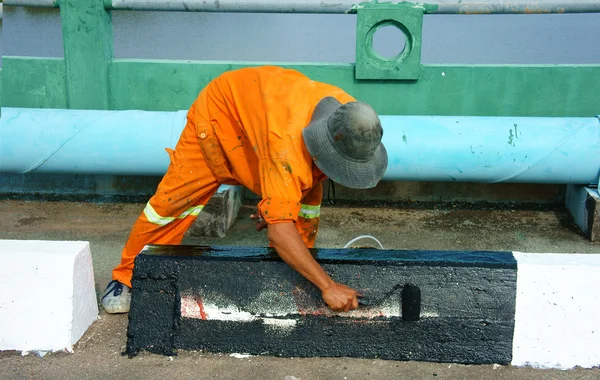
(240, 356)
(388, 310)
(281, 323)
(227, 313)
(191, 307)
(272, 303)
(557, 319)
(48, 300)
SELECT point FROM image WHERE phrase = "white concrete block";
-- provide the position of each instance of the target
(557, 317)
(48, 299)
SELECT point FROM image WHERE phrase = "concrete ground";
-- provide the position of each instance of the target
(106, 226)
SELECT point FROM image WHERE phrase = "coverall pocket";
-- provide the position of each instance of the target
(213, 153)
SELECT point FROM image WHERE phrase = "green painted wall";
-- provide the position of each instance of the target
(33, 82)
(441, 90)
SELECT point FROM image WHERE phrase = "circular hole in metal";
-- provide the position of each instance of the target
(389, 40)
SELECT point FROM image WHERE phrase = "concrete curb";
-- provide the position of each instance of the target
(557, 319)
(219, 214)
(473, 307)
(49, 300)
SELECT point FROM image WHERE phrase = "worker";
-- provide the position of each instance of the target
(279, 134)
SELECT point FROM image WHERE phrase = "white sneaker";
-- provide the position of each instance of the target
(117, 298)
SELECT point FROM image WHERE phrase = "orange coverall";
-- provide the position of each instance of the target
(244, 128)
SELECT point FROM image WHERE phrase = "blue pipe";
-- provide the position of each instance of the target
(493, 149)
(87, 142)
(420, 148)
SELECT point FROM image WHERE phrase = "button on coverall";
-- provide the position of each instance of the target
(245, 128)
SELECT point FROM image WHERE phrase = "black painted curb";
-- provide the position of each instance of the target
(441, 306)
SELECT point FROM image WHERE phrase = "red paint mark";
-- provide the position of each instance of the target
(201, 306)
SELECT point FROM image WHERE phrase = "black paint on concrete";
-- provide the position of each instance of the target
(433, 339)
(464, 312)
(154, 304)
(368, 256)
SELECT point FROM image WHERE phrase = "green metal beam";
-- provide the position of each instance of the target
(88, 43)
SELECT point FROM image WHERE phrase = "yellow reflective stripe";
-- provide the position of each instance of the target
(309, 211)
(193, 211)
(154, 217)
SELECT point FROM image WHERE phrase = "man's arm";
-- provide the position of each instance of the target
(290, 247)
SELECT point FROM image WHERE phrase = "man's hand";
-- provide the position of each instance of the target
(293, 251)
(340, 297)
(260, 222)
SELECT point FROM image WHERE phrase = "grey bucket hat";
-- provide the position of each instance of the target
(344, 141)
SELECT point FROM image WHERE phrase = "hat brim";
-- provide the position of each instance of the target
(349, 173)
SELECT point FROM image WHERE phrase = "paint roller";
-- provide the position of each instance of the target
(410, 301)
(410, 296)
